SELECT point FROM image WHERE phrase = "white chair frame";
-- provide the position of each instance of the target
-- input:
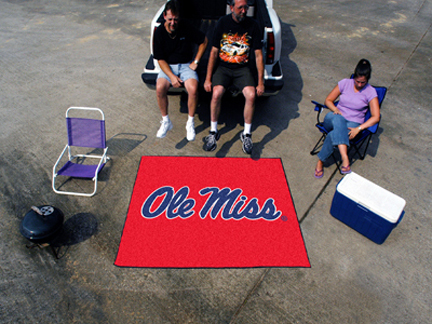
(103, 158)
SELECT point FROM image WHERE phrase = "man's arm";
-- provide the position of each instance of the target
(210, 66)
(200, 53)
(175, 80)
(159, 55)
(260, 67)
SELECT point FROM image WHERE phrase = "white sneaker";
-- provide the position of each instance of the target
(190, 131)
(165, 127)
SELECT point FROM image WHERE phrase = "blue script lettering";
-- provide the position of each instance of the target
(225, 201)
(176, 205)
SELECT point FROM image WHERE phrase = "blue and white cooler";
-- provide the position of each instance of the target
(366, 207)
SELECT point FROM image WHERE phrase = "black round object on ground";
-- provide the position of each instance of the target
(42, 224)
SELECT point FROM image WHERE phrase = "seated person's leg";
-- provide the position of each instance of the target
(162, 86)
(221, 80)
(249, 93)
(191, 86)
(215, 105)
(343, 149)
(327, 148)
(190, 80)
(245, 81)
(334, 121)
(329, 120)
(338, 134)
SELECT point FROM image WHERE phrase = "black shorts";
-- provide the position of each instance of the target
(240, 77)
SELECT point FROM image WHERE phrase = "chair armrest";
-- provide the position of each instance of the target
(103, 159)
(59, 159)
(319, 108)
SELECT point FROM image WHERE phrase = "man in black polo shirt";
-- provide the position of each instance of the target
(235, 37)
(173, 48)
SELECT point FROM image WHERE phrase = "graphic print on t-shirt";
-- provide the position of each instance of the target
(235, 48)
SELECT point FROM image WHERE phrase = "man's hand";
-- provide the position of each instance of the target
(193, 66)
(176, 81)
(207, 86)
(260, 90)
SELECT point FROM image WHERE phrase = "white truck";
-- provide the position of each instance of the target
(204, 14)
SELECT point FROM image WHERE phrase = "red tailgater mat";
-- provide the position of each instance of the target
(197, 212)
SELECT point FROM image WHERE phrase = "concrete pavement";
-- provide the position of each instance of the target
(80, 53)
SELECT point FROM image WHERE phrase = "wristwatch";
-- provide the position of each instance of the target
(360, 128)
(196, 62)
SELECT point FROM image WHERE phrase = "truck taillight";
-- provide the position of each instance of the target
(270, 48)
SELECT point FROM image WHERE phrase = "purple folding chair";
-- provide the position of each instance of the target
(82, 133)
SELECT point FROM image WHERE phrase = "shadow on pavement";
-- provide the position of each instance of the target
(123, 143)
(78, 228)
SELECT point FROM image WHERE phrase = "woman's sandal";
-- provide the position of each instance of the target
(319, 173)
(346, 169)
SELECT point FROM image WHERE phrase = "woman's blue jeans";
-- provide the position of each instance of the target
(337, 126)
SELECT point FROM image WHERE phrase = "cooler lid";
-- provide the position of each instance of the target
(371, 196)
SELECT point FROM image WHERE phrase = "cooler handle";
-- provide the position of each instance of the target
(363, 208)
